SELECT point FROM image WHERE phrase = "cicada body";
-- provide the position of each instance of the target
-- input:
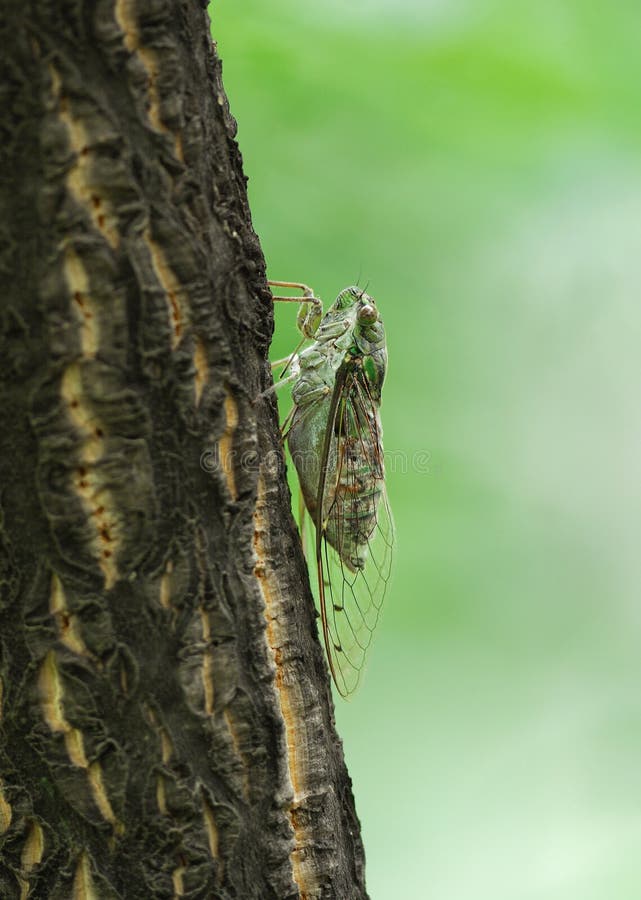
(336, 442)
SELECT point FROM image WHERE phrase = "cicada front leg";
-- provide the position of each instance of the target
(310, 312)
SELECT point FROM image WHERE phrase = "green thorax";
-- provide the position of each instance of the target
(352, 333)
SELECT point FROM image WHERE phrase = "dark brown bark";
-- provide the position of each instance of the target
(167, 728)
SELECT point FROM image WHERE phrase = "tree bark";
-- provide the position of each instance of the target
(166, 721)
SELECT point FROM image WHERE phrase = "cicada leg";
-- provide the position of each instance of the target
(308, 319)
(279, 362)
(282, 381)
(311, 307)
(290, 362)
(287, 421)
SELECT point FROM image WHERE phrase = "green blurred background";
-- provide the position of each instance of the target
(477, 163)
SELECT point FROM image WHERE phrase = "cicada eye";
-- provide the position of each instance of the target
(367, 314)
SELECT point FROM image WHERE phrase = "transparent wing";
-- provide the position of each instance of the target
(351, 602)
(354, 533)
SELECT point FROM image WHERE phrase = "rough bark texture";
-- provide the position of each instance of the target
(166, 723)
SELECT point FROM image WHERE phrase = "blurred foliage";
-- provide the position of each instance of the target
(477, 165)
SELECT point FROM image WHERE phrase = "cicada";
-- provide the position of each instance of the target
(335, 440)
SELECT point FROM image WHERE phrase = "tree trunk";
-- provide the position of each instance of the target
(167, 727)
